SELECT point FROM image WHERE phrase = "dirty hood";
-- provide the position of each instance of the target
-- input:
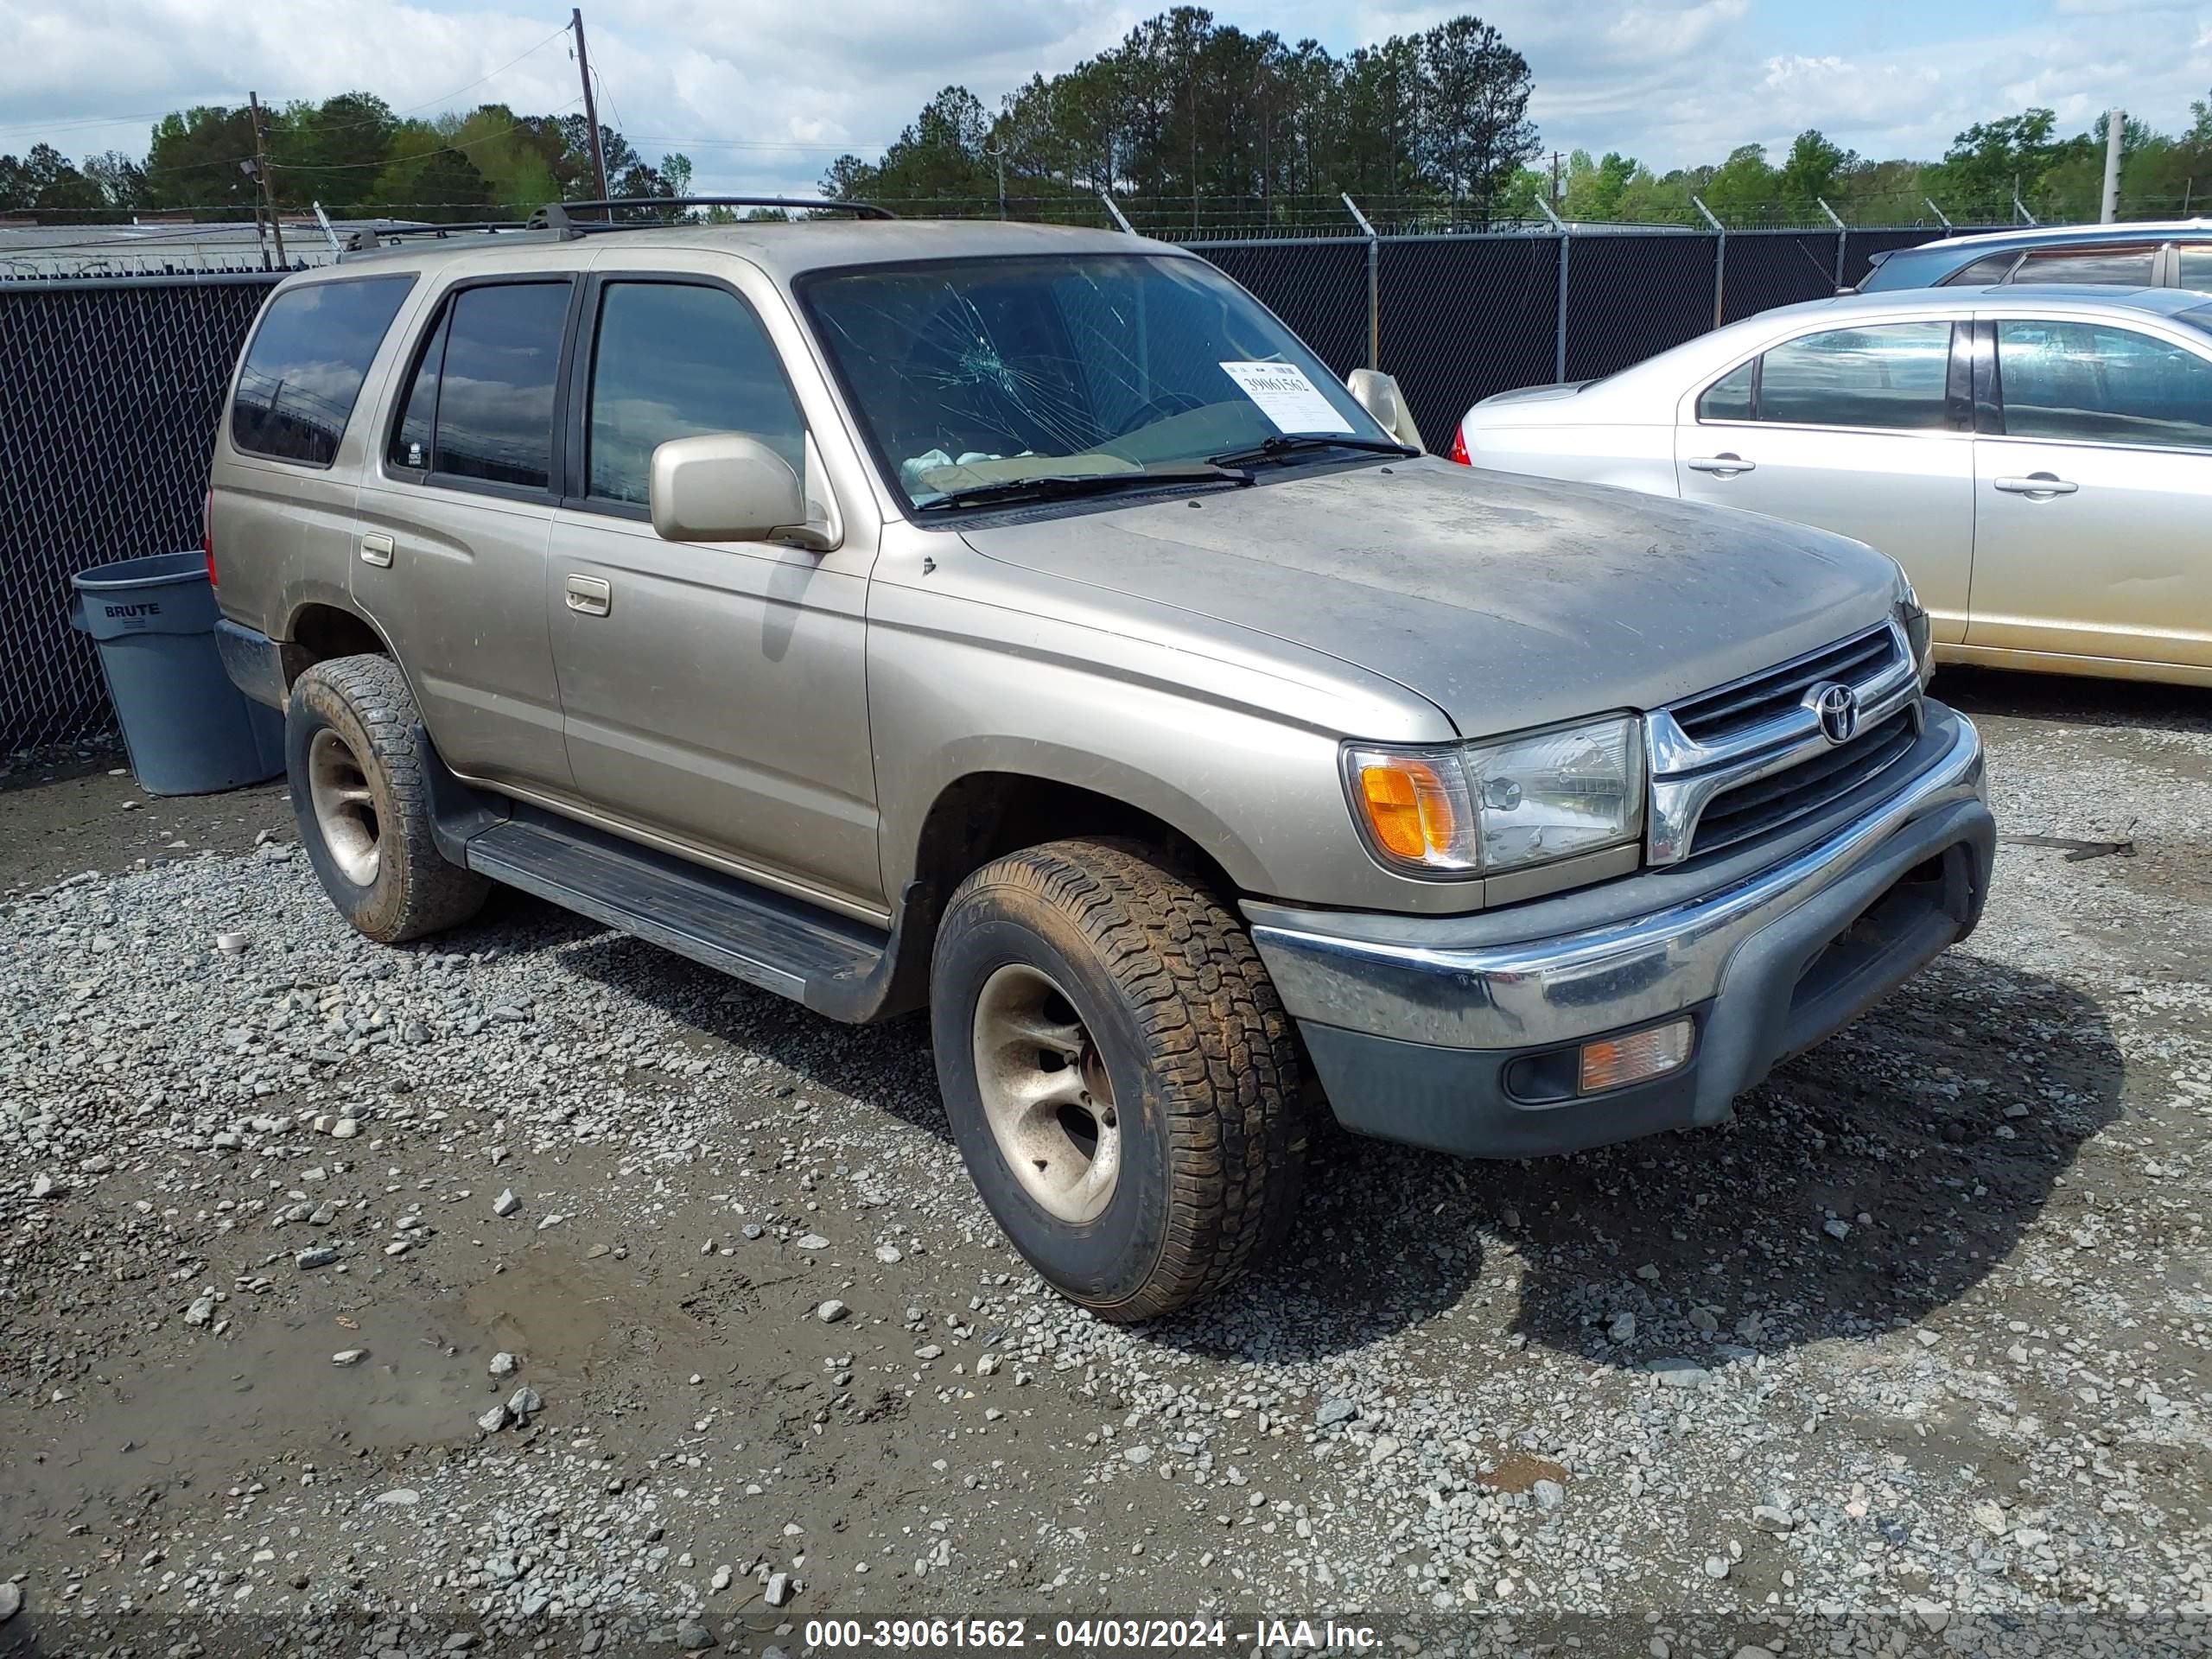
(1506, 602)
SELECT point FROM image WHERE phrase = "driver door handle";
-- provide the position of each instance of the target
(1720, 466)
(2042, 485)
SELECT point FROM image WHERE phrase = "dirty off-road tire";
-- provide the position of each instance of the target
(356, 760)
(1120, 1074)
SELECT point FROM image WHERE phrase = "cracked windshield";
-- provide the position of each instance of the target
(1006, 375)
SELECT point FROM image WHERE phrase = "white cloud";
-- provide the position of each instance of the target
(762, 95)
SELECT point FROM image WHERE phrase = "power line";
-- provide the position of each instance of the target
(494, 75)
(354, 166)
(745, 143)
(442, 150)
(69, 123)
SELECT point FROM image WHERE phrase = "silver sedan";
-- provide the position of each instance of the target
(2039, 460)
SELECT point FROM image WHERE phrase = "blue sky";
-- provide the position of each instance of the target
(762, 95)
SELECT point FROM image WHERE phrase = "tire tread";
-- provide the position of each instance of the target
(433, 893)
(1219, 1041)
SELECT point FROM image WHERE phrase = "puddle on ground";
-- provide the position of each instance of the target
(230, 1409)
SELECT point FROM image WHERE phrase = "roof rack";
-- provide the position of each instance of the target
(366, 237)
(560, 215)
(556, 222)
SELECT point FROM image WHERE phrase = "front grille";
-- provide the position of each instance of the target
(1717, 716)
(1767, 805)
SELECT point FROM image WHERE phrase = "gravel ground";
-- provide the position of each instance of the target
(530, 1288)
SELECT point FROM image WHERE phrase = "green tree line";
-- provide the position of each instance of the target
(1198, 121)
(351, 153)
(2056, 179)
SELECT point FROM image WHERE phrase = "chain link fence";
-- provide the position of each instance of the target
(114, 386)
(112, 390)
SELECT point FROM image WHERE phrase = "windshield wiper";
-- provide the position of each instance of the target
(1284, 445)
(1060, 486)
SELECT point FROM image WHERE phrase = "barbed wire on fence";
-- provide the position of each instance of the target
(1318, 214)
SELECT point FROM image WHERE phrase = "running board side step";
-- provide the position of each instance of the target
(831, 964)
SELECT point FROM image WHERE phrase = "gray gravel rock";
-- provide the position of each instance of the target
(11, 1600)
(1457, 1321)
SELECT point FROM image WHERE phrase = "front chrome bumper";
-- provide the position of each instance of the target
(1403, 1016)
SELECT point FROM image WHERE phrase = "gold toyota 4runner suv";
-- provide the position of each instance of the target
(1022, 624)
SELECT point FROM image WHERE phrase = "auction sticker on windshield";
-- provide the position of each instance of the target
(1286, 396)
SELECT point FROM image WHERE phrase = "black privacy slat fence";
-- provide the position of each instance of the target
(1634, 294)
(1770, 268)
(1466, 317)
(110, 388)
(109, 393)
(1317, 285)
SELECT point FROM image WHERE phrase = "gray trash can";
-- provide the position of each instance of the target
(190, 731)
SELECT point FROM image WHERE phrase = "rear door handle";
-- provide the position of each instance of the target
(375, 549)
(1722, 466)
(2041, 485)
(589, 596)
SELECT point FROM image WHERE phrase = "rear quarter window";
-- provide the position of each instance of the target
(2129, 267)
(304, 366)
(1987, 271)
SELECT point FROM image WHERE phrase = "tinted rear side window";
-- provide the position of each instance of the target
(411, 438)
(1891, 376)
(304, 369)
(2195, 260)
(2087, 383)
(495, 394)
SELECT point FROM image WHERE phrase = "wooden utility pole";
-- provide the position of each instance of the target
(261, 176)
(591, 108)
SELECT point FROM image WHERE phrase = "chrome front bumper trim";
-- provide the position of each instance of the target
(1573, 985)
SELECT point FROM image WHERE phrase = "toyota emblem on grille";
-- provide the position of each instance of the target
(1837, 707)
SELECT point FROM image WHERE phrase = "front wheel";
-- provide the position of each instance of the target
(1120, 1075)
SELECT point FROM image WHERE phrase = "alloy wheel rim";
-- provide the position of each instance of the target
(1045, 1094)
(344, 808)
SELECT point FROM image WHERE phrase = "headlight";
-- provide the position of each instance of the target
(1912, 617)
(1486, 807)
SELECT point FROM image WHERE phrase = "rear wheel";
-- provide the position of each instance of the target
(1121, 1077)
(356, 759)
